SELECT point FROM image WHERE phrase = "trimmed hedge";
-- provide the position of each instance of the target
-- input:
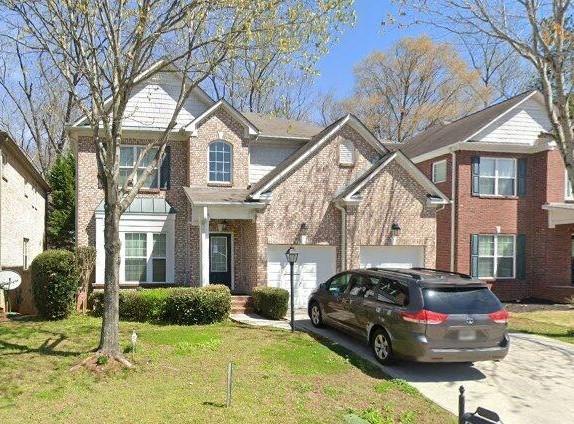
(189, 305)
(55, 281)
(204, 305)
(271, 302)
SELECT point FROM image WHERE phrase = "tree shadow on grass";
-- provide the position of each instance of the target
(48, 347)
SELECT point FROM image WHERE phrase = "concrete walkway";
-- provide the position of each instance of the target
(534, 384)
(259, 321)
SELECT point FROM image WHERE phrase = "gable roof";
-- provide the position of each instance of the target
(462, 129)
(223, 104)
(272, 126)
(23, 158)
(289, 164)
(356, 185)
(155, 67)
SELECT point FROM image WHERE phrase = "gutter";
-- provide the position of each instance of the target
(452, 208)
(343, 236)
(1, 184)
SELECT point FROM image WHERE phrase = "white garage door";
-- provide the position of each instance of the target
(391, 256)
(314, 266)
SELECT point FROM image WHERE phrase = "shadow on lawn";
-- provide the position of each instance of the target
(48, 347)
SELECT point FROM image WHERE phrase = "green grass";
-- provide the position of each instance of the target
(180, 376)
(555, 324)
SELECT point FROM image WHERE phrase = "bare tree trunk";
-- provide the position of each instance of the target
(109, 339)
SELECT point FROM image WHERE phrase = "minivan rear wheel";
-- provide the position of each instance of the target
(315, 315)
(381, 345)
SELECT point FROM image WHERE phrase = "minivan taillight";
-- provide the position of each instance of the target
(499, 317)
(424, 317)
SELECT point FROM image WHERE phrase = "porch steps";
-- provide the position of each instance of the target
(241, 304)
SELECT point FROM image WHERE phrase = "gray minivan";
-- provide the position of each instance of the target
(419, 314)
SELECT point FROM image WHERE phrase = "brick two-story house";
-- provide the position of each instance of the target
(235, 190)
(512, 218)
(23, 198)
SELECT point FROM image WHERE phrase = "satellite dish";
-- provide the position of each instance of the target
(10, 280)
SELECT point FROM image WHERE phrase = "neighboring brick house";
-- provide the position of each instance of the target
(235, 190)
(512, 222)
(23, 194)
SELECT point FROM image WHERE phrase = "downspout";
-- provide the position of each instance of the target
(1, 184)
(343, 236)
(452, 209)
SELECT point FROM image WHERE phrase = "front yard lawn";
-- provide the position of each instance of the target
(556, 324)
(180, 377)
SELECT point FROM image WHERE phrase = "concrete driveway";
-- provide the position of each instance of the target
(533, 385)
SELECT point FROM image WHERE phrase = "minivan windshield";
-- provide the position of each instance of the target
(460, 300)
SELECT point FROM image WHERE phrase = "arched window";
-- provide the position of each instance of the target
(220, 162)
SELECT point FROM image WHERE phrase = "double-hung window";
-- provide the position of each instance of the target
(128, 158)
(220, 162)
(496, 256)
(497, 177)
(568, 194)
(143, 264)
(158, 261)
(439, 171)
(135, 257)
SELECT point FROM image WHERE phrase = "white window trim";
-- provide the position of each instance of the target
(25, 254)
(568, 194)
(346, 142)
(149, 258)
(223, 183)
(496, 177)
(495, 262)
(158, 166)
(434, 165)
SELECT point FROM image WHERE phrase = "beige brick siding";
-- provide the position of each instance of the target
(303, 196)
(306, 194)
(23, 212)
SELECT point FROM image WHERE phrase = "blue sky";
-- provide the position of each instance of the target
(336, 68)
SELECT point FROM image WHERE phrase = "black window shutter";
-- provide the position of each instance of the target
(475, 160)
(520, 256)
(474, 255)
(521, 185)
(165, 169)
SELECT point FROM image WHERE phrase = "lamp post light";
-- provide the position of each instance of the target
(292, 256)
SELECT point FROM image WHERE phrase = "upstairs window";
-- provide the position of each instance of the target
(439, 171)
(568, 195)
(346, 153)
(494, 177)
(220, 162)
(128, 158)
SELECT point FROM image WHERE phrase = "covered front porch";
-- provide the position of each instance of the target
(226, 236)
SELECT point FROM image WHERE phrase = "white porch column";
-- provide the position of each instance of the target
(204, 246)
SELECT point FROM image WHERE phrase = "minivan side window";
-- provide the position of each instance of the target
(393, 291)
(360, 285)
(338, 284)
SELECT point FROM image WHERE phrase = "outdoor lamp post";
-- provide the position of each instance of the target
(292, 256)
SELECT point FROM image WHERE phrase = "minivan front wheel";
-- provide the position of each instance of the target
(315, 315)
(381, 345)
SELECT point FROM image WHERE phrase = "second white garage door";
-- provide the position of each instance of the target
(314, 266)
(391, 256)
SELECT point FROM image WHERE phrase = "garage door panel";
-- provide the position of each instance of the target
(391, 256)
(314, 265)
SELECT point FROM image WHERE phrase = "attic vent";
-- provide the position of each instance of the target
(346, 153)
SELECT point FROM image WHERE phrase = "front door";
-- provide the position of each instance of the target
(220, 259)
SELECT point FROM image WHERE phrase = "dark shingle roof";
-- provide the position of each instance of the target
(272, 126)
(461, 129)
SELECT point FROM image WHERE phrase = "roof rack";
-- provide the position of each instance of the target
(398, 271)
(460, 274)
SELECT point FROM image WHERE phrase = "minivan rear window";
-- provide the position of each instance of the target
(460, 300)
